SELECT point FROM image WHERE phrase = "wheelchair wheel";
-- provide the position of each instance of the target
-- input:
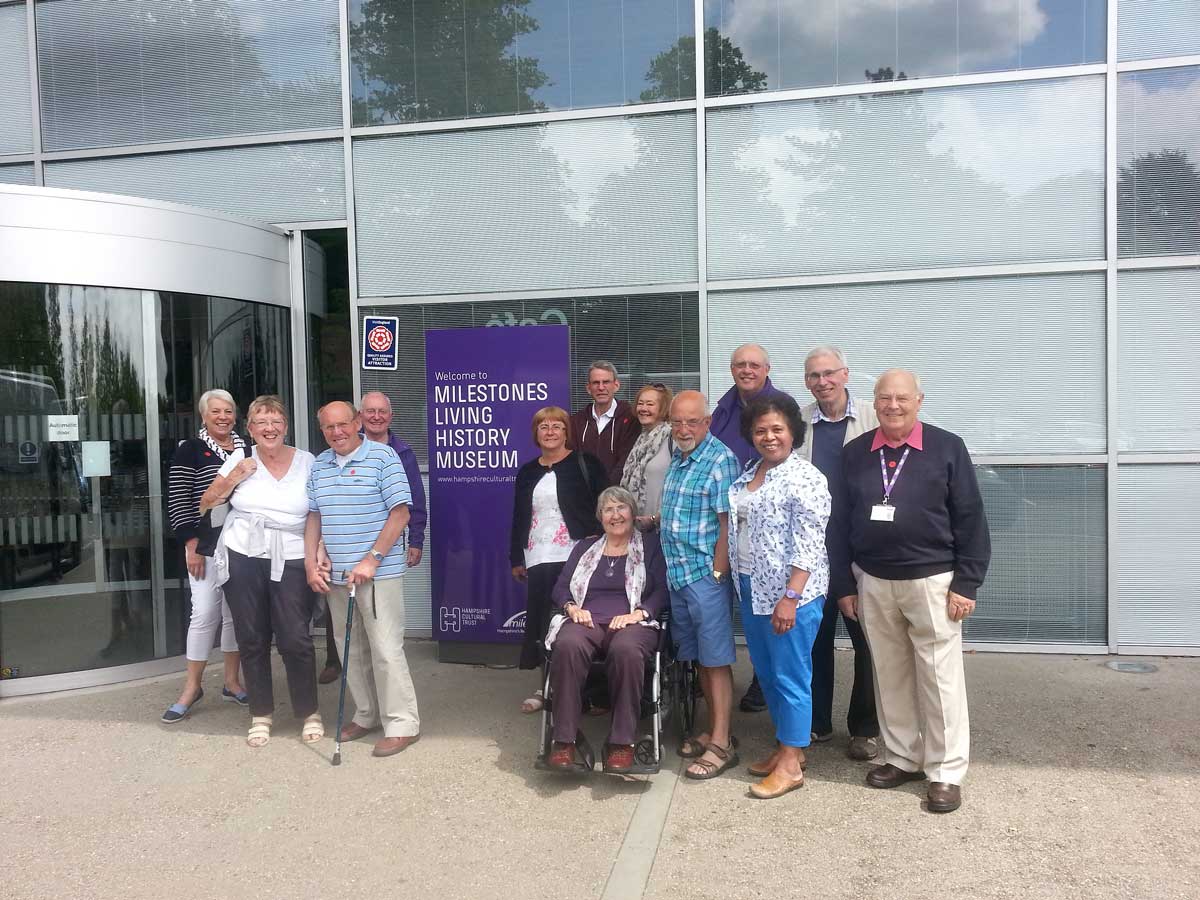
(643, 752)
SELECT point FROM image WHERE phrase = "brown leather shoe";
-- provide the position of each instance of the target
(889, 776)
(354, 731)
(776, 785)
(863, 748)
(329, 674)
(390, 746)
(944, 798)
(619, 759)
(562, 756)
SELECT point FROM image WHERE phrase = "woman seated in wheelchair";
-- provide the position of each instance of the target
(608, 600)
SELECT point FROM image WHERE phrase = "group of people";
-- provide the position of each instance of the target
(267, 529)
(794, 514)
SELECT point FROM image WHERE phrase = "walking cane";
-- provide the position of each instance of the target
(337, 740)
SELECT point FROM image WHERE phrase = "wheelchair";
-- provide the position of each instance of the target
(668, 699)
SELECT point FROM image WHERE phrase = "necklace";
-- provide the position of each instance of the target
(612, 566)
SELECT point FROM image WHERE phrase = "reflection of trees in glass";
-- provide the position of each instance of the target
(409, 58)
(174, 69)
(672, 73)
(1158, 200)
(102, 369)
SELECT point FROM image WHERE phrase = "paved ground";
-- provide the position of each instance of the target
(1085, 782)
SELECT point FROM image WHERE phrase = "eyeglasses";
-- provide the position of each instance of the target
(817, 376)
(551, 426)
(268, 423)
(686, 423)
(659, 385)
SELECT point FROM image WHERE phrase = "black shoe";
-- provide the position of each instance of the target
(754, 701)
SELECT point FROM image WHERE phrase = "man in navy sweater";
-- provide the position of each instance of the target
(920, 548)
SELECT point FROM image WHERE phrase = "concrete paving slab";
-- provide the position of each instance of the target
(1083, 784)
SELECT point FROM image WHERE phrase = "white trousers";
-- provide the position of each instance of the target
(377, 675)
(920, 688)
(209, 610)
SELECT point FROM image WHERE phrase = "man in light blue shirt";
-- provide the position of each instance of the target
(358, 500)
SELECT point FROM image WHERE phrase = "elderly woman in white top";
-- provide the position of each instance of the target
(261, 553)
(648, 461)
(777, 538)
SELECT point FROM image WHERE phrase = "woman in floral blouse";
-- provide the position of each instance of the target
(553, 507)
(780, 507)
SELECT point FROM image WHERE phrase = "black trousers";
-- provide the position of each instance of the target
(263, 608)
(539, 585)
(860, 718)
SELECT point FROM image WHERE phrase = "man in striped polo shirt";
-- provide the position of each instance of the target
(358, 500)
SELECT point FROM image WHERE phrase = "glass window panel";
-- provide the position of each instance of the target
(1158, 562)
(136, 71)
(22, 174)
(270, 182)
(1048, 578)
(955, 176)
(1158, 160)
(425, 60)
(571, 204)
(1156, 365)
(648, 338)
(16, 130)
(757, 45)
(1150, 29)
(935, 328)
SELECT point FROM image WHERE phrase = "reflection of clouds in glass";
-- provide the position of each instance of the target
(986, 31)
(781, 158)
(586, 163)
(1173, 97)
(986, 133)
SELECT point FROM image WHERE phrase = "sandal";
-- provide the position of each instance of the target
(313, 729)
(727, 755)
(260, 731)
(533, 704)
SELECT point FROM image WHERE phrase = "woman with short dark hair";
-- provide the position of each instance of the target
(779, 508)
(553, 507)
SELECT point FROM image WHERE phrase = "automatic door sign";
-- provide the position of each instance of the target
(379, 342)
(29, 453)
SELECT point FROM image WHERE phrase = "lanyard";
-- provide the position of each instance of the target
(888, 485)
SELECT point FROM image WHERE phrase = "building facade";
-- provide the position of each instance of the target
(1002, 196)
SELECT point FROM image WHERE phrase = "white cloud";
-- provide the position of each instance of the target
(590, 153)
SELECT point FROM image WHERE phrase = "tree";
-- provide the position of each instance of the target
(1158, 201)
(418, 61)
(672, 73)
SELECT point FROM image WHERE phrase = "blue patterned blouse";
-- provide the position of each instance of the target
(787, 528)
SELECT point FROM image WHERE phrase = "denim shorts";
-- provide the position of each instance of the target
(702, 622)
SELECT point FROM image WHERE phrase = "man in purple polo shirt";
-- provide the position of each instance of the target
(376, 412)
(750, 367)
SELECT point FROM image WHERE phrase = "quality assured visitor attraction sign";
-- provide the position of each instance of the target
(483, 387)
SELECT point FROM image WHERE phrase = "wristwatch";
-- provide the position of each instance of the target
(790, 594)
(377, 556)
(717, 576)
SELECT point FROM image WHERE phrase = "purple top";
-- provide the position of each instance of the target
(606, 596)
(727, 421)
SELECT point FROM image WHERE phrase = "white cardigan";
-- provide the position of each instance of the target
(864, 420)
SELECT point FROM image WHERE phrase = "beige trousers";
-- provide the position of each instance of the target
(920, 689)
(378, 675)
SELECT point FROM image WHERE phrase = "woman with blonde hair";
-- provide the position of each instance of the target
(554, 506)
(648, 461)
(261, 554)
(193, 468)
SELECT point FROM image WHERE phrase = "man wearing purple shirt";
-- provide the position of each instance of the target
(750, 367)
(376, 411)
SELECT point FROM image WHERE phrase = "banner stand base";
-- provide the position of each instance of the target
(472, 653)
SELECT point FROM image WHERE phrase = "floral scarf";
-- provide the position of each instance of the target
(648, 446)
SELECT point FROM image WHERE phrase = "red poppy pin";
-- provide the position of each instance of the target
(208, 453)
(892, 464)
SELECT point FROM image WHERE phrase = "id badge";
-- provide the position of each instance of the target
(883, 512)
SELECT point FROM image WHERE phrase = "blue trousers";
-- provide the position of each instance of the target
(783, 663)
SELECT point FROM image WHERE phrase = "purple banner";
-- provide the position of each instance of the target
(483, 387)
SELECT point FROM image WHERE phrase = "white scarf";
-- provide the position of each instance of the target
(238, 443)
(635, 580)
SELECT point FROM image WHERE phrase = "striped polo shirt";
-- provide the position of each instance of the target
(695, 491)
(354, 501)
